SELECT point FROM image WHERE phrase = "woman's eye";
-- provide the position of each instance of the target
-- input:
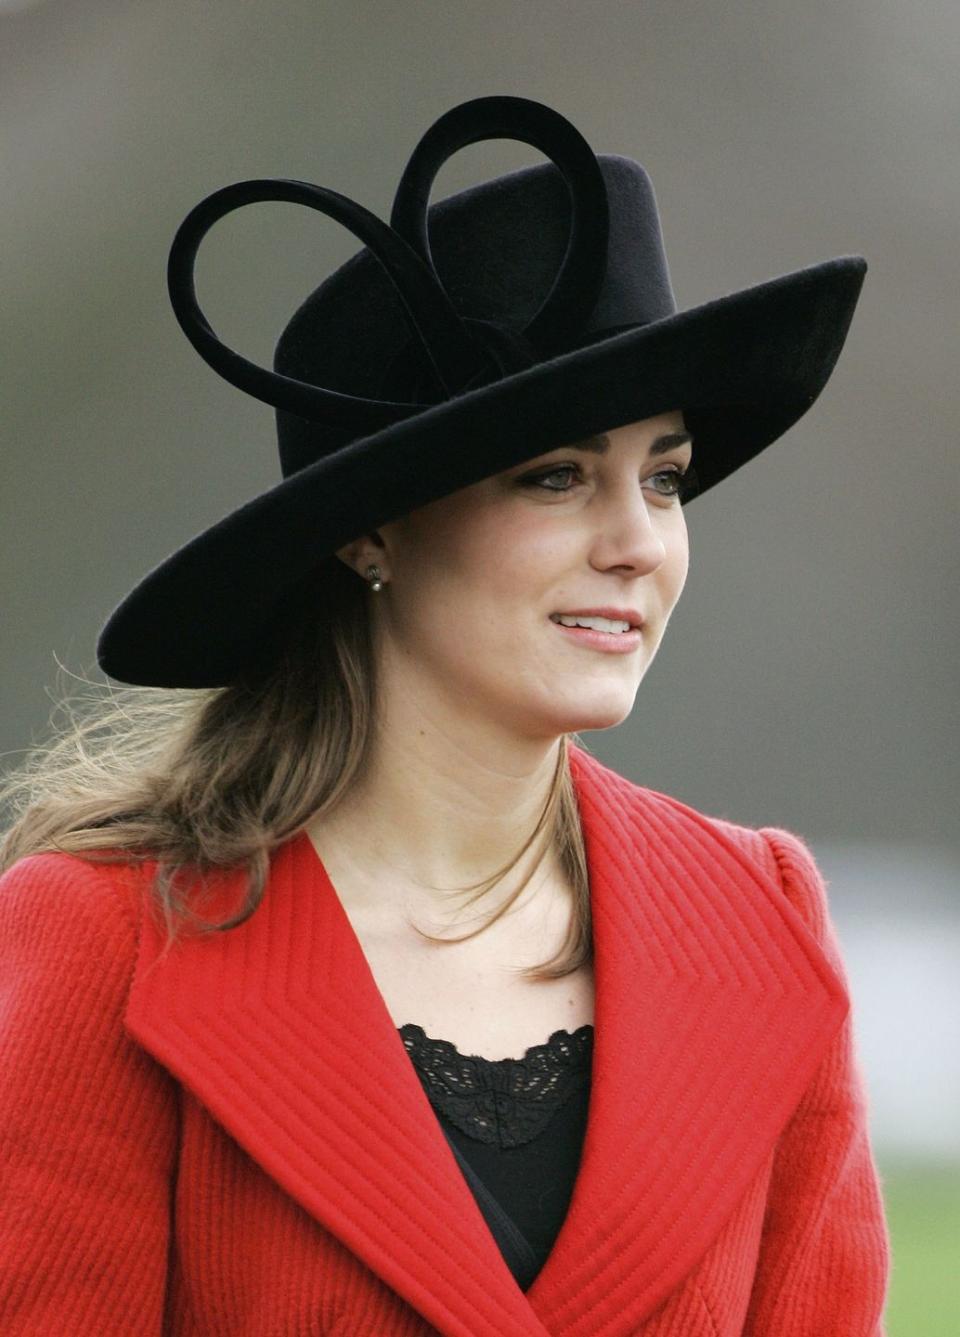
(680, 479)
(539, 480)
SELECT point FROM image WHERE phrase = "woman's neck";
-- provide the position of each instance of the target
(427, 820)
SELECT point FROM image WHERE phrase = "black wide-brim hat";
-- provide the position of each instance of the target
(504, 321)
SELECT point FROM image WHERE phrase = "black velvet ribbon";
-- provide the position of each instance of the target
(449, 352)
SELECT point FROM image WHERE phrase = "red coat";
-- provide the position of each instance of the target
(232, 1140)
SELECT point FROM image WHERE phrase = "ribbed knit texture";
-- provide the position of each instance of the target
(170, 1151)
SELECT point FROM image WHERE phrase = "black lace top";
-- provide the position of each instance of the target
(516, 1127)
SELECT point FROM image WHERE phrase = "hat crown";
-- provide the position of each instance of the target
(496, 248)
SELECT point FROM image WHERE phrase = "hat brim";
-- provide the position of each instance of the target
(743, 368)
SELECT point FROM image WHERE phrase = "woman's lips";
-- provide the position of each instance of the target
(613, 642)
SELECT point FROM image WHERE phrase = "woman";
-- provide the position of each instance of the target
(344, 991)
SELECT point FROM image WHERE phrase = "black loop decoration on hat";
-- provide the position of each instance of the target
(575, 290)
(453, 354)
(512, 349)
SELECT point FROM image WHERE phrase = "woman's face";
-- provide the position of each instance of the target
(471, 581)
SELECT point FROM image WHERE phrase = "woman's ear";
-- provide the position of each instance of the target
(345, 555)
(361, 553)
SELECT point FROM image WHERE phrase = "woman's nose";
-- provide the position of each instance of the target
(630, 535)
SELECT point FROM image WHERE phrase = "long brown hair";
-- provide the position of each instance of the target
(217, 778)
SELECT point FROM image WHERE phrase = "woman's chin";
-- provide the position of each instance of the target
(598, 714)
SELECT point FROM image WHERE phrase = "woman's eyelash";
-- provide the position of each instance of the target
(686, 479)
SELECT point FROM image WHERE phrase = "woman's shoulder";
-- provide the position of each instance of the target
(785, 856)
(55, 906)
(781, 856)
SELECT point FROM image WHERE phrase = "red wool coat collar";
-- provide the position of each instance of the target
(713, 1007)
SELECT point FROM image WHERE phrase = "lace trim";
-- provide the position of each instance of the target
(508, 1101)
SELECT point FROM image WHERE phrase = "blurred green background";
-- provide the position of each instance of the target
(923, 1211)
(810, 676)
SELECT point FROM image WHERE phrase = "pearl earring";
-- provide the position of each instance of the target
(373, 575)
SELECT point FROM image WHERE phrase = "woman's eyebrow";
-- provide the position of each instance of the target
(600, 444)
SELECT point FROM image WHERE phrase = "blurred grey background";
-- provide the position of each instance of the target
(809, 678)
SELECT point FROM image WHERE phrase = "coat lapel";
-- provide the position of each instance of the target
(713, 1007)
